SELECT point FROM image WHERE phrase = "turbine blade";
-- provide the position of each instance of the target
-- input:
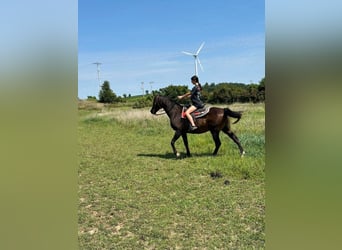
(187, 53)
(199, 49)
(199, 62)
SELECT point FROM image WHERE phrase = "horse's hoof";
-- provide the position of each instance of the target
(243, 154)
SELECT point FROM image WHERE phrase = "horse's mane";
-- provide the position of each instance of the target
(170, 100)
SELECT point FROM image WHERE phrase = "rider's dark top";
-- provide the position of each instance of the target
(195, 97)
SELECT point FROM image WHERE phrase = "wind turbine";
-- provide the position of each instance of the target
(195, 55)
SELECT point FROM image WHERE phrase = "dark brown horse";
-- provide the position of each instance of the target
(216, 120)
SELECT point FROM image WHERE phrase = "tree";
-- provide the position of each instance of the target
(173, 91)
(253, 93)
(261, 89)
(91, 98)
(262, 84)
(106, 95)
(207, 92)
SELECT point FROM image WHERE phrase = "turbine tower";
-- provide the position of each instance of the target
(98, 71)
(195, 55)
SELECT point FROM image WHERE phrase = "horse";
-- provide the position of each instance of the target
(215, 121)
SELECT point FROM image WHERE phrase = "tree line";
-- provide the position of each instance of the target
(211, 93)
(222, 92)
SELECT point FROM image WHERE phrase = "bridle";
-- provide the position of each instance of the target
(161, 113)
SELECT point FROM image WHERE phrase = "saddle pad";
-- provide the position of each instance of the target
(197, 113)
(201, 112)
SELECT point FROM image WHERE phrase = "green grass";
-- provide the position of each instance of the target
(134, 194)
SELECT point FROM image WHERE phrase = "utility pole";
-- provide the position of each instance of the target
(151, 85)
(98, 71)
(142, 88)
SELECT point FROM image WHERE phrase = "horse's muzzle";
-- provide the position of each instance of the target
(153, 112)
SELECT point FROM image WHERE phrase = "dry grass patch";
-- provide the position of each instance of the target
(90, 105)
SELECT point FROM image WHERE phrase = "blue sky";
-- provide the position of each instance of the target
(141, 41)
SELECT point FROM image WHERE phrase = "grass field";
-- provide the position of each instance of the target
(134, 194)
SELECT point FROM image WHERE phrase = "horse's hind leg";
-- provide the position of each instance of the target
(234, 138)
(217, 141)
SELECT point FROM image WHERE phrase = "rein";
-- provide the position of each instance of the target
(167, 103)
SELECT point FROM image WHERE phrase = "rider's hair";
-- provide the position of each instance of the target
(195, 78)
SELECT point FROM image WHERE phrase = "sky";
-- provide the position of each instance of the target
(141, 42)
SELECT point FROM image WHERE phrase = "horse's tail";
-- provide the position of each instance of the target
(234, 114)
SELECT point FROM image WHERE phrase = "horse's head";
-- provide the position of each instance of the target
(155, 105)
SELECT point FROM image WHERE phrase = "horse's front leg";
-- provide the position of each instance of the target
(186, 144)
(174, 139)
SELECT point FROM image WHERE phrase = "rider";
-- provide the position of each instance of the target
(195, 99)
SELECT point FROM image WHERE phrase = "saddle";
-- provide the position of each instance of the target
(197, 113)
